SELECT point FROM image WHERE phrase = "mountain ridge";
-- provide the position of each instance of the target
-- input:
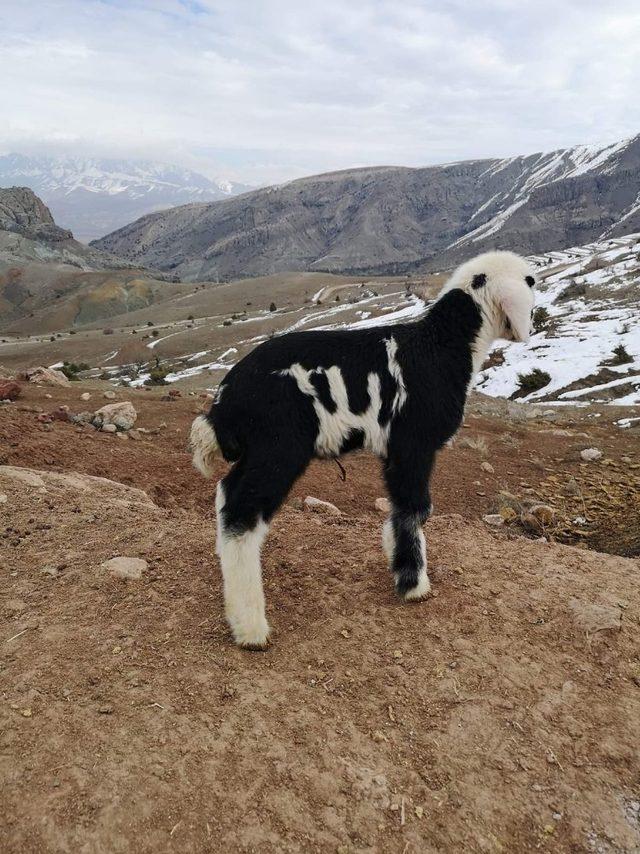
(390, 219)
(92, 195)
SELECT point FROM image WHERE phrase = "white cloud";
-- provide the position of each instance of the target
(270, 90)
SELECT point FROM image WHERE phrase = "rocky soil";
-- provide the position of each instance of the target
(502, 714)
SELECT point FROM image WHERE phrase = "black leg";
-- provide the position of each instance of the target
(403, 538)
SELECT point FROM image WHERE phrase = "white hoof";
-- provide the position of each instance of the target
(251, 635)
(420, 591)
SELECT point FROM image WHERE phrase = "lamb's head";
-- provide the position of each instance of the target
(501, 284)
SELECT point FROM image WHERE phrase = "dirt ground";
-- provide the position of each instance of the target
(502, 714)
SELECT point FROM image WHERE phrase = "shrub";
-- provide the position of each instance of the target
(540, 318)
(157, 375)
(150, 323)
(71, 370)
(621, 356)
(272, 307)
(533, 381)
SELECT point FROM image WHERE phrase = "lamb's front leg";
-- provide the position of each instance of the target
(402, 536)
(405, 547)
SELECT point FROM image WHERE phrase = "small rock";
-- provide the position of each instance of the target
(122, 415)
(109, 395)
(3, 498)
(9, 390)
(419, 811)
(85, 396)
(109, 428)
(126, 567)
(46, 376)
(105, 710)
(319, 506)
(543, 513)
(590, 455)
(485, 466)
(383, 505)
(493, 519)
(596, 618)
(61, 413)
(50, 569)
(26, 713)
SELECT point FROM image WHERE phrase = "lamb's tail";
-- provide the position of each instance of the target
(204, 445)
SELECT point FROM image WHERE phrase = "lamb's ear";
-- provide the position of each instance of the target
(517, 303)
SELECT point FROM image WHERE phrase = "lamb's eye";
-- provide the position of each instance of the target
(530, 281)
(479, 280)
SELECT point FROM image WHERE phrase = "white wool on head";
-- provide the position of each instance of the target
(505, 294)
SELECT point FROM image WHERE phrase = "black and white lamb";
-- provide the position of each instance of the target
(398, 391)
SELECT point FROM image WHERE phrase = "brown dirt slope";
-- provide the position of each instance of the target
(503, 714)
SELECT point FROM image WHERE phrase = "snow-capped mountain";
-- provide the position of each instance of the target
(93, 196)
(392, 219)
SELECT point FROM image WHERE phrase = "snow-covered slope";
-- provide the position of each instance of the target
(92, 196)
(592, 297)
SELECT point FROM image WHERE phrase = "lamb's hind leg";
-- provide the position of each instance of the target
(238, 546)
(402, 535)
(245, 502)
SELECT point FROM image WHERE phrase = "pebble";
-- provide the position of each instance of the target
(485, 466)
(85, 396)
(109, 428)
(50, 569)
(109, 395)
(383, 505)
(493, 519)
(317, 505)
(126, 567)
(590, 455)
(3, 498)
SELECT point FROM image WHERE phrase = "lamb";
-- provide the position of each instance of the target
(396, 390)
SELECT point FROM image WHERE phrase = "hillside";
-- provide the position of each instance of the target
(50, 281)
(395, 219)
(92, 196)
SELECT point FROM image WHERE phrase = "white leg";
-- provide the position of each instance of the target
(388, 539)
(242, 578)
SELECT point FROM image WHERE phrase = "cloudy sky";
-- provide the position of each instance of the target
(265, 90)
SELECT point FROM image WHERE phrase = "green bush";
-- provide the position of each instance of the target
(533, 381)
(157, 376)
(540, 318)
(71, 370)
(621, 356)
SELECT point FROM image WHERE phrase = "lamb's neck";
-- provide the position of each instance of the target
(481, 346)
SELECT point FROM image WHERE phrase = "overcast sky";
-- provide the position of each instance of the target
(265, 91)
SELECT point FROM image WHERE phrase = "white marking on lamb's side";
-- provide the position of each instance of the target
(204, 445)
(335, 427)
(242, 579)
(396, 372)
(217, 395)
